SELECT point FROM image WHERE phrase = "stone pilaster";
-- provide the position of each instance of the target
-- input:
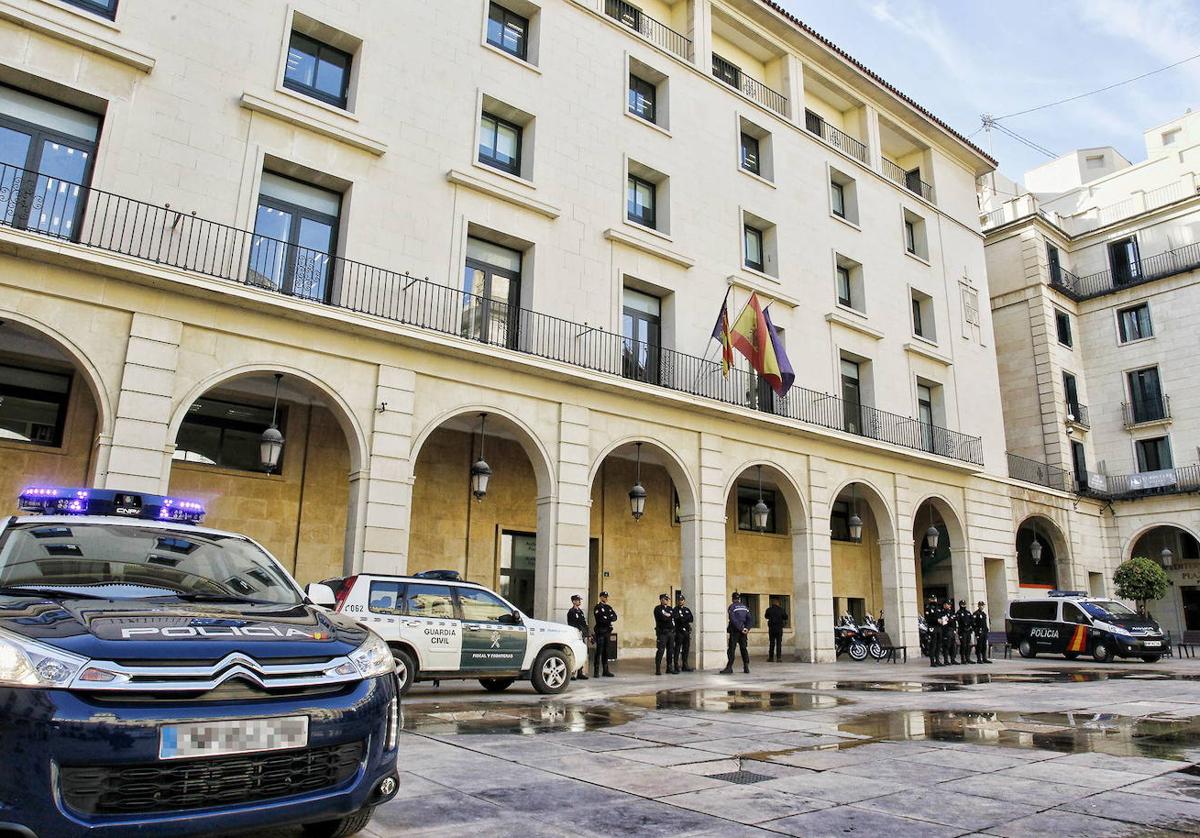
(385, 483)
(705, 568)
(570, 528)
(814, 589)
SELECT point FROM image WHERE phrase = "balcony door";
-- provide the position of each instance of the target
(491, 301)
(851, 397)
(46, 154)
(1145, 395)
(925, 415)
(1079, 464)
(295, 237)
(641, 337)
(1072, 393)
(1126, 263)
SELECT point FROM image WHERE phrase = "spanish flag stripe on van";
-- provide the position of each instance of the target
(1078, 639)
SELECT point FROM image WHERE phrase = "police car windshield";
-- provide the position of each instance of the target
(1107, 610)
(126, 561)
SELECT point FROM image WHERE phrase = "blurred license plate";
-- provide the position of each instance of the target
(1152, 643)
(210, 739)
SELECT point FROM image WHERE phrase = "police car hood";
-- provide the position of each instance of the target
(162, 629)
(1134, 623)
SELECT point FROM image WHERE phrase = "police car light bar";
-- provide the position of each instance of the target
(62, 501)
(1067, 593)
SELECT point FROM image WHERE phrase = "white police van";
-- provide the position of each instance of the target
(1071, 623)
(441, 627)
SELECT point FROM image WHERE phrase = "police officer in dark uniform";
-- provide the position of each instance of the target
(683, 633)
(982, 626)
(933, 615)
(776, 617)
(605, 616)
(577, 619)
(949, 634)
(966, 622)
(738, 629)
(664, 635)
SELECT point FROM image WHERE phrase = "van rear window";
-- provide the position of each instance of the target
(386, 598)
(1036, 610)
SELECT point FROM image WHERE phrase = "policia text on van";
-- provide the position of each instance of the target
(1071, 624)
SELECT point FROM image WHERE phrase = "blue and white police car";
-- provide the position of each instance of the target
(161, 678)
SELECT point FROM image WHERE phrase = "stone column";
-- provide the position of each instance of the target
(139, 458)
(700, 31)
(874, 148)
(704, 556)
(818, 593)
(569, 530)
(385, 482)
(902, 608)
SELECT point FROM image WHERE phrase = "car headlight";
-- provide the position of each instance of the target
(373, 657)
(27, 663)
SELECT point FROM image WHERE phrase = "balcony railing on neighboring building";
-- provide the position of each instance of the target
(909, 180)
(1077, 413)
(732, 75)
(652, 30)
(1177, 261)
(164, 236)
(1042, 474)
(838, 139)
(1170, 481)
(1144, 411)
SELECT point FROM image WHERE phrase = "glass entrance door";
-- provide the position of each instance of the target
(518, 568)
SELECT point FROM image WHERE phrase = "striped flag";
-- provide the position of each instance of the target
(720, 333)
(755, 336)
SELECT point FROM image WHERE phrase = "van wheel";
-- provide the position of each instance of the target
(496, 685)
(551, 672)
(406, 670)
(1151, 658)
(1026, 649)
(1101, 653)
(1070, 655)
(342, 827)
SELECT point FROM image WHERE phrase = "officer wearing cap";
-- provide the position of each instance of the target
(577, 619)
(982, 626)
(934, 642)
(605, 616)
(683, 633)
(949, 637)
(965, 622)
(664, 635)
(738, 629)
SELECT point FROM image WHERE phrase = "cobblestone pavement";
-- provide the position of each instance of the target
(1043, 747)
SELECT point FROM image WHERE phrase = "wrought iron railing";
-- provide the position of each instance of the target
(1033, 471)
(1077, 413)
(1168, 263)
(1141, 411)
(732, 75)
(652, 30)
(164, 236)
(1169, 481)
(909, 180)
(838, 139)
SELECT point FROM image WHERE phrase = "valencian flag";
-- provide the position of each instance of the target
(720, 332)
(754, 335)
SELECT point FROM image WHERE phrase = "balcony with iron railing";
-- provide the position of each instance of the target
(652, 30)
(159, 235)
(1038, 473)
(1169, 481)
(1126, 275)
(728, 72)
(909, 180)
(1077, 414)
(1146, 411)
(840, 140)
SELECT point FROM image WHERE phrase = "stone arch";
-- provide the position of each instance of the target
(1048, 532)
(1131, 542)
(689, 504)
(959, 587)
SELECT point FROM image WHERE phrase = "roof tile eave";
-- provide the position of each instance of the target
(808, 30)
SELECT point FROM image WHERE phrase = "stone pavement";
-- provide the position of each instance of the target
(1019, 748)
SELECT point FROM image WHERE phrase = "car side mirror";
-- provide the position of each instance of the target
(321, 595)
(513, 619)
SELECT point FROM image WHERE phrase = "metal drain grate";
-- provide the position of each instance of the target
(742, 778)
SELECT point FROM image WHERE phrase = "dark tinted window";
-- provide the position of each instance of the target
(1072, 614)
(750, 153)
(1134, 323)
(318, 70)
(104, 8)
(387, 598)
(507, 30)
(642, 97)
(429, 601)
(226, 434)
(1034, 611)
(747, 499)
(1062, 324)
(33, 405)
(482, 606)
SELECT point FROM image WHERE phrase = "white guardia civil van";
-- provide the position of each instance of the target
(440, 627)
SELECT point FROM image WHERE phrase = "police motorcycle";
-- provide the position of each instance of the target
(869, 632)
(848, 640)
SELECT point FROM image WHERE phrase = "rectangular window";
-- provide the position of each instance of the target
(1071, 391)
(1153, 454)
(750, 157)
(922, 316)
(641, 336)
(642, 96)
(1171, 137)
(499, 144)
(753, 245)
(754, 603)
(226, 434)
(1134, 323)
(1125, 261)
(386, 598)
(910, 236)
(844, 295)
(508, 31)
(914, 235)
(104, 8)
(491, 293)
(317, 70)
(837, 197)
(1062, 325)
(1079, 464)
(1145, 395)
(747, 499)
(916, 316)
(640, 201)
(839, 521)
(1053, 261)
(54, 145)
(295, 237)
(33, 405)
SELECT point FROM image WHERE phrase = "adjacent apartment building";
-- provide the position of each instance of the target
(406, 286)
(1094, 270)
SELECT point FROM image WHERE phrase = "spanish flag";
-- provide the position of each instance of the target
(754, 335)
(720, 332)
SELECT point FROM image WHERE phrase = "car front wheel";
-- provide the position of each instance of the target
(551, 672)
(1101, 652)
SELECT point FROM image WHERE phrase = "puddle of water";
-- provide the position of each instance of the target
(881, 686)
(950, 682)
(1108, 733)
(732, 700)
(524, 719)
